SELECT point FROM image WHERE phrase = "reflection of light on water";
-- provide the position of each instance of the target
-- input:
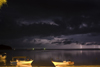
(3, 60)
(75, 55)
(81, 51)
(23, 65)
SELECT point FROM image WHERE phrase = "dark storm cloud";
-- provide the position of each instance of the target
(12, 30)
(71, 16)
(46, 8)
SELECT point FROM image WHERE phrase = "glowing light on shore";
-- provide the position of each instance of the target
(44, 48)
(32, 48)
(2, 2)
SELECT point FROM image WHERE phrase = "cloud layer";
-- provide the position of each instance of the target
(45, 18)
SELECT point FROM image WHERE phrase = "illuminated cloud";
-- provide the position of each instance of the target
(38, 21)
(57, 23)
(83, 25)
(58, 42)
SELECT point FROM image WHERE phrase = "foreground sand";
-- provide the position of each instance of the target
(81, 66)
(54, 66)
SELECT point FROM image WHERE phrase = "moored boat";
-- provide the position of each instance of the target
(2, 55)
(64, 63)
(21, 62)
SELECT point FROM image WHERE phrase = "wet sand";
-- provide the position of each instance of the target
(81, 66)
(56, 66)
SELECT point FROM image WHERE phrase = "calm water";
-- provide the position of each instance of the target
(43, 57)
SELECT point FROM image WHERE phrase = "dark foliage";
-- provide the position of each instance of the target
(5, 47)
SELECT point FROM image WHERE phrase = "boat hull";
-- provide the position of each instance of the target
(24, 62)
(13, 62)
(21, 62)
(62, 63)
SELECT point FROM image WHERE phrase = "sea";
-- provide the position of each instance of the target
(43, 58)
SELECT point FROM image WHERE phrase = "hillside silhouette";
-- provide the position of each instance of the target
(5, 47)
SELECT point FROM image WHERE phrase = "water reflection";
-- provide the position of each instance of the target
(20, 65)
(3, 61)
(43, 57)
(23, 65)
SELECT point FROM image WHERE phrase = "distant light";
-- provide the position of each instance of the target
(4, 53)
(44, 48)
(81, 46)
(32, 48)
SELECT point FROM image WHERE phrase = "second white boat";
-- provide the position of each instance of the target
(64, 63)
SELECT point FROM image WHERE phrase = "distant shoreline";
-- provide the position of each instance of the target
(56, 49)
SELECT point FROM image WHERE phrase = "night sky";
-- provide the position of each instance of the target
(50, 23)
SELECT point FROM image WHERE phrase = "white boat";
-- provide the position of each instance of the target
(21, 62)
(64, 63)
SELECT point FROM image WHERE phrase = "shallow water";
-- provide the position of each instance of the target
(43, 57)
